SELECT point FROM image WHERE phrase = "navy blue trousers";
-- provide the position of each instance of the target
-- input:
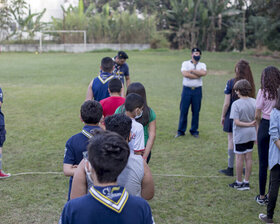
(190, 97)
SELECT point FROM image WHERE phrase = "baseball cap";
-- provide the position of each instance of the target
(196, 50)
(122, 55)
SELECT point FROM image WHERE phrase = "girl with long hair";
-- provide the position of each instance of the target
(147, 119)
(266, 99)
(242, 71)
(274, 161)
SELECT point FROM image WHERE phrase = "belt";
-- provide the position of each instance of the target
(193, 88)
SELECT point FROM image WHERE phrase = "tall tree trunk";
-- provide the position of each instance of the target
(193, 29)
(213, 34)
(244, 31)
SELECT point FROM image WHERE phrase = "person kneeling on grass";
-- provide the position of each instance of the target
(107, 202)
(244, 132)
(274, 161)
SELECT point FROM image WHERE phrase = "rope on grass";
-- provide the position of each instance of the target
(36, 173)
(160, 175)
(187, 176)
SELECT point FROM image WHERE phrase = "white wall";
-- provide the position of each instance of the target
(52, 6)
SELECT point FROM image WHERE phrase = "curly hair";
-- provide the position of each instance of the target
(243, 71)
(270, 81)
(277, 104)
(119, 123)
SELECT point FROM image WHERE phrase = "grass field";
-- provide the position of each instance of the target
(42, 98)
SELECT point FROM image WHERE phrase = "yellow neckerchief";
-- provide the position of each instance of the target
(115, 206)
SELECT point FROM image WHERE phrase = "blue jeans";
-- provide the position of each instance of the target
(190, 96)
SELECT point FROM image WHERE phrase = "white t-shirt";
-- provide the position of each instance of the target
(189, 65)
(137, 137)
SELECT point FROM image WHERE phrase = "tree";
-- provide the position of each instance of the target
(216, 8)
(5, 20)
(182, 23)
(269, 10)
(26, 22)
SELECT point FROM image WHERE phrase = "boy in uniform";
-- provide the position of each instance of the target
(98, 87)
(121, 69)
(91, 113)
(107, 202)
(2, 136)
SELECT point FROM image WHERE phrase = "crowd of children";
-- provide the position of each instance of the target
(105, 167)
(246, 121)
(108, 169)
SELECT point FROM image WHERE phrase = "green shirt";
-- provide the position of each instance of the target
(146, 127)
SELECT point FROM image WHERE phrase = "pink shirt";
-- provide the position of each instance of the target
(264, 105)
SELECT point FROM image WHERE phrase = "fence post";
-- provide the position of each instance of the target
(41, 47)
(85, 40)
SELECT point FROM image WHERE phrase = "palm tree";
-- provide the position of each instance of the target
(182, 22)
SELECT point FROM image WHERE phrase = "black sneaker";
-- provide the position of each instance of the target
(195, 135)
(244, 187)
(265, 219)
(235, 185)
(260, 201)
(227, 172)
(178, 135)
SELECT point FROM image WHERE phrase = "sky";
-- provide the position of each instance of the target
(52, 6)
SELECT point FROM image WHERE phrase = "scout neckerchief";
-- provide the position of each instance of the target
(105, 78)
(114, 198)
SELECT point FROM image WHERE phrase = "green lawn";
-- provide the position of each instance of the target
(42, 99)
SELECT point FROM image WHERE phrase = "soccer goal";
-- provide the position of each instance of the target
(42, 33)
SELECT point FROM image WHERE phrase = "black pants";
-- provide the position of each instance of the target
(273, 190)
(263, 149)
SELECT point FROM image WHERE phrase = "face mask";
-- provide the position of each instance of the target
(139, 115)
(88, 172)
(197, 58)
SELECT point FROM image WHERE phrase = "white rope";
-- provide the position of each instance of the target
(37, 173)
(160, 175)
(187, 176)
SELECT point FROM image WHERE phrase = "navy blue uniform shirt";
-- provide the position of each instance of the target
(76, 145)
(121, 71)
(74, 148)
(96, 208)
(100, 86)
(2, 122)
